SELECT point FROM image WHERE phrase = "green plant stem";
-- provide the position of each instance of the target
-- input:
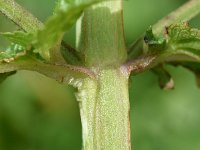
(104, 102)
(100, 34)
(182, 14)
(104, 107)
(29, 23)
(20, 16)
(140, 64)
(62, 73)
(56, 55)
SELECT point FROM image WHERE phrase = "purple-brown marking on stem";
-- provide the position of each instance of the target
(139, 65)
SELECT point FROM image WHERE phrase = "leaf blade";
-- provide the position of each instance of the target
(55, 27)
(21, 42)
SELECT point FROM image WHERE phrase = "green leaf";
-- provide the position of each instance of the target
(180, 46)
(21, 42)
(12, 52)
(18, 37)
(185, 13)
(181, 42)
(63, 4)
(66, 14)
(184, 47)
(184, 42)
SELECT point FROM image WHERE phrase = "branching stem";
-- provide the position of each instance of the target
(184, 13)
(29, 23)
(61, 73)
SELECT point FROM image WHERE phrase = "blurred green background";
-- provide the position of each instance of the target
(37, 113)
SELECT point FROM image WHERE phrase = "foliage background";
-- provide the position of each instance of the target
(37, 113)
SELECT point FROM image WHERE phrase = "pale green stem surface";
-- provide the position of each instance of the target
(100, 34)
(182, 14)
(104, 102)
(104, 107)
(20, 16)
(62, 73)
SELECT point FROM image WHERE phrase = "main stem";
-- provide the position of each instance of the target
(104, 101)
(104, 107)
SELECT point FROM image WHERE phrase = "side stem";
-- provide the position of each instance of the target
(20, 16)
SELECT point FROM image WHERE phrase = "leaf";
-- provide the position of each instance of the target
(180, 43)
(184, 47)
(185, 13)
(18, 37)
(180, 46)
(21, 42)
(11, 53)
(63, 4)
(66, 14)
(185, 41)
(165, 80)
